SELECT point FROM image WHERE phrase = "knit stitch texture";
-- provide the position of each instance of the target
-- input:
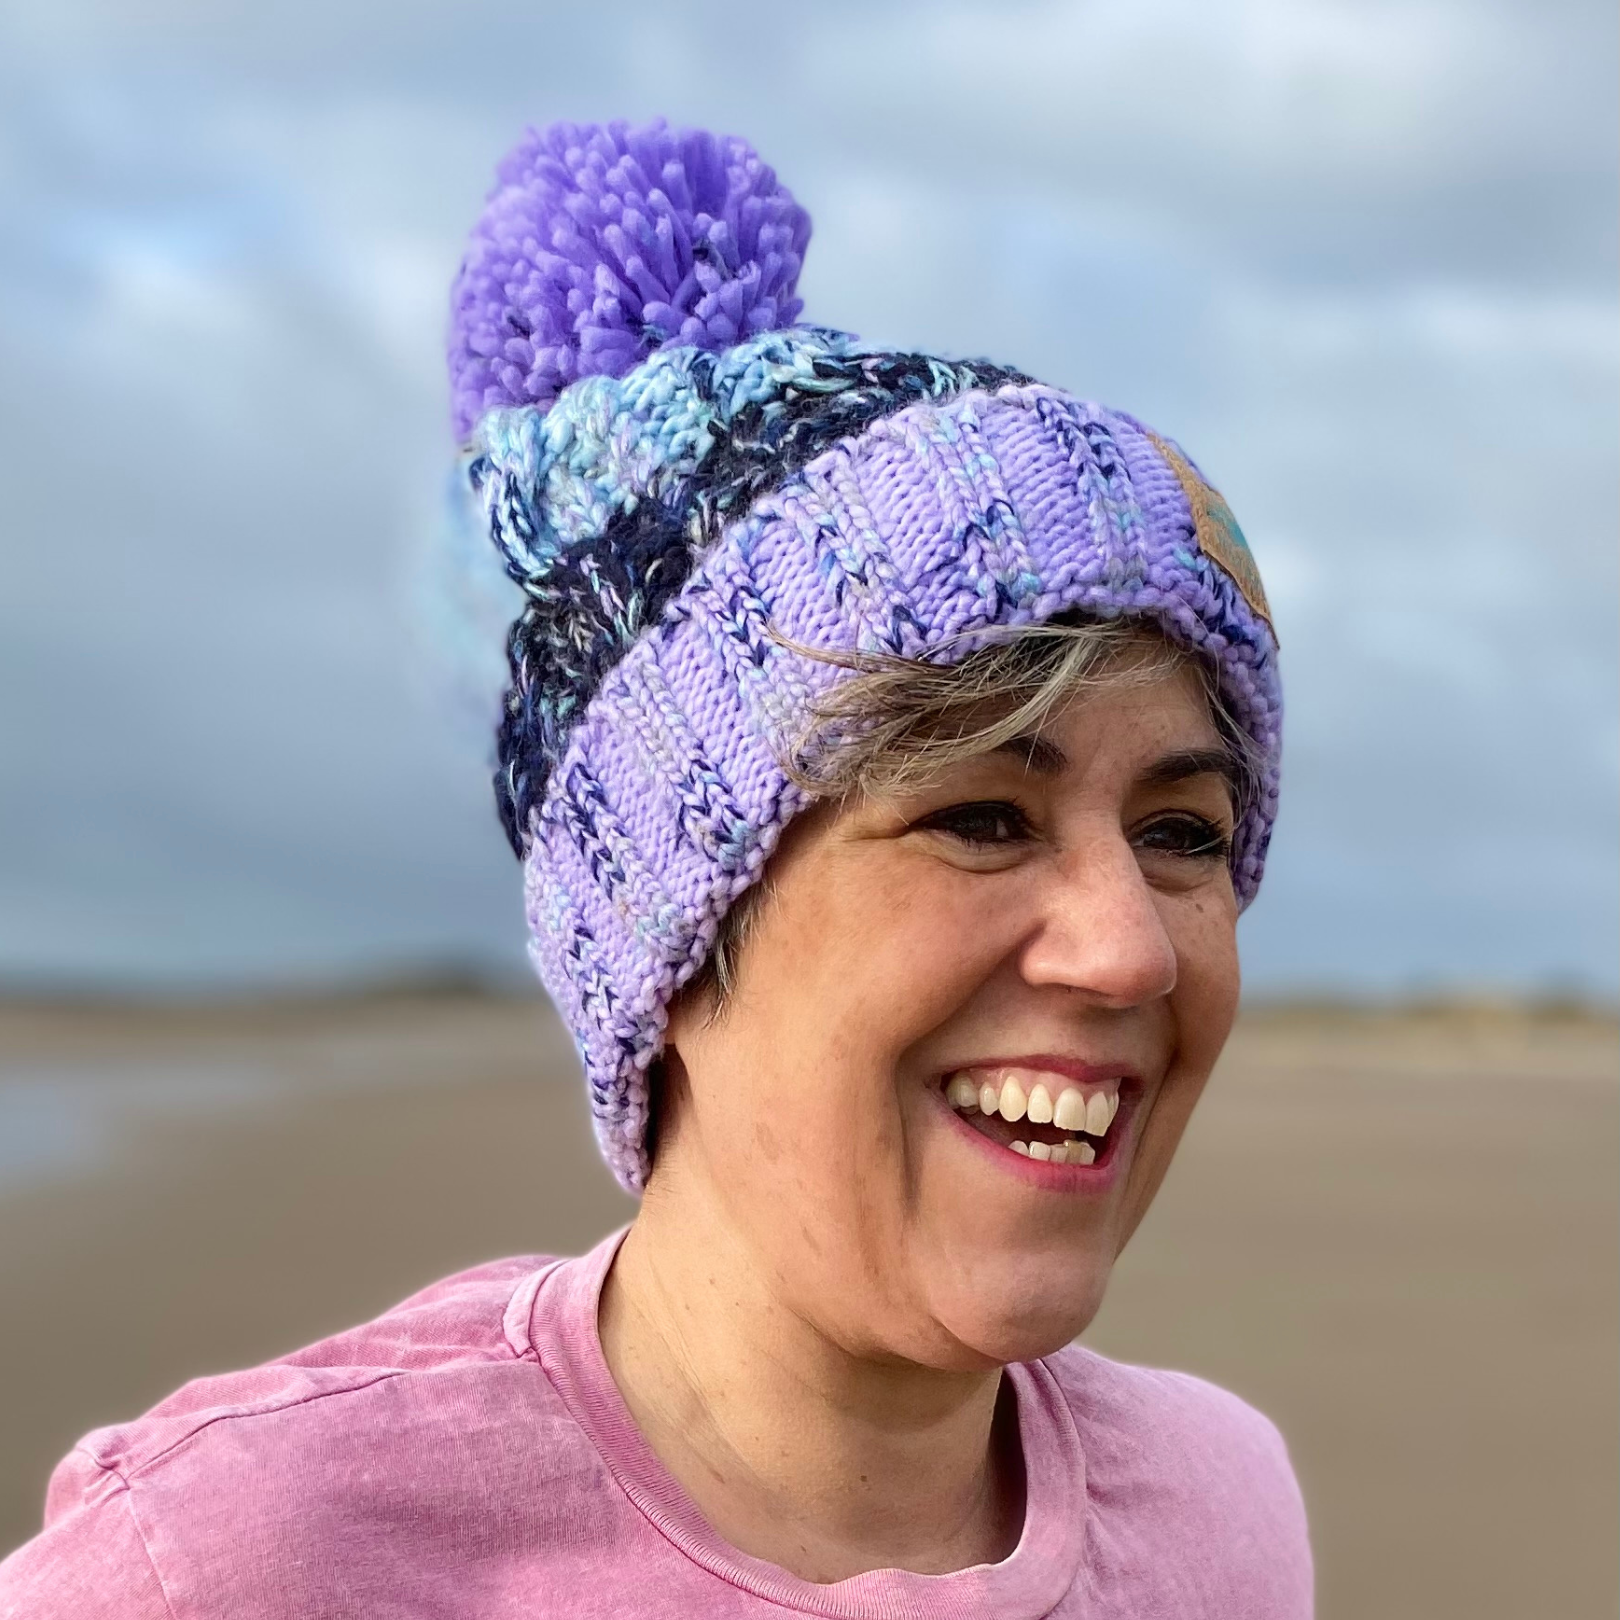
(683, 517)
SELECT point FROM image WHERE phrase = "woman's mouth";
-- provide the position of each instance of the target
(1039, 1114)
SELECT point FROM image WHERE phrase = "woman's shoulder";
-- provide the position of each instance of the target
(456, 1323)
(1168, 1448)
(237, 1458)
(1115, 1397)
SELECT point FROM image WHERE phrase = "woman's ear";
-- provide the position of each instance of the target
(668, 1088)
(657, 1088)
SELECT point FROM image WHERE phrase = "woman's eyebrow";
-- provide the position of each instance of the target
(1187, 762)
(1045, 758)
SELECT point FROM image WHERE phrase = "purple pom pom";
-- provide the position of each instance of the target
(600, 244)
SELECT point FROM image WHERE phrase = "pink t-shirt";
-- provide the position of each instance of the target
(468, 1455)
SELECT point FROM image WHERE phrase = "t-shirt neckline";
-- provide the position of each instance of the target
(554, 1316)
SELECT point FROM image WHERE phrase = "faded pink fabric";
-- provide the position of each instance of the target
(468, 1454)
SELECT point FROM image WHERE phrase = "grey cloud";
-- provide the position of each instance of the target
(1359, 259)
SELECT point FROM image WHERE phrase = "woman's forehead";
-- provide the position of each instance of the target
(1168, 715)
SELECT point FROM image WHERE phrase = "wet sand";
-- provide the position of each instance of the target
(1399, 1234)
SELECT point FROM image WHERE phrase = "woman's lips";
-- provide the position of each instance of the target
(1038, 1118)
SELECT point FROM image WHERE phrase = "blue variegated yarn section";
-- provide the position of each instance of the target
(553, 477)
(599, 503)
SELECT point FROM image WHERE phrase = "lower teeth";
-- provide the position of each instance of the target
(1058, 1153)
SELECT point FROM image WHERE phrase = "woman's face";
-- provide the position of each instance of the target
(1058, 914)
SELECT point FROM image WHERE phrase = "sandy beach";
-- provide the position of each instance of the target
(1394, 1232)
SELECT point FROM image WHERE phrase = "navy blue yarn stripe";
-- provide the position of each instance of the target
(583, 617)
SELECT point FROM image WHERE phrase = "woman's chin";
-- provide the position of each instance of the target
(1020, 1310)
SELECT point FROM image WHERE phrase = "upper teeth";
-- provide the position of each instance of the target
(1076, 1108)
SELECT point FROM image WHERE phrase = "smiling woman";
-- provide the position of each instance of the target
(969, 1024)
(891, 746)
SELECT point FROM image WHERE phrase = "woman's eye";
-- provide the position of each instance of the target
(982, 825)
(1184, 834)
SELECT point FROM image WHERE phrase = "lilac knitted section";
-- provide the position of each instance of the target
(989, 509)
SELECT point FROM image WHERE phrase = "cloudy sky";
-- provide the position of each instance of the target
(1358, 256)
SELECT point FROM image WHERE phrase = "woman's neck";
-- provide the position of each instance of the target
(796, 1451)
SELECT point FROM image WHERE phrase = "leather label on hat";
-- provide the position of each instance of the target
(1219, 537)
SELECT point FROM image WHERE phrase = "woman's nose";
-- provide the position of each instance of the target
(1101, 930)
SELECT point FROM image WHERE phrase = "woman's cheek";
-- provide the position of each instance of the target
(1208, 979)
(1203, 1005)
(940, 941)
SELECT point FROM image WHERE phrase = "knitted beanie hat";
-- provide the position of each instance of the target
(689, 487)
